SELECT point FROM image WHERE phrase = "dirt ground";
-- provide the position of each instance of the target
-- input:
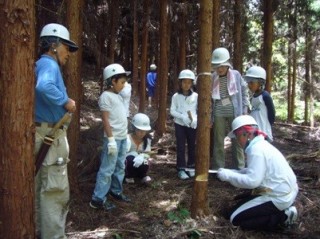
(160, 209)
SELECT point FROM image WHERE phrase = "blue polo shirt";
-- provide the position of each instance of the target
(50, 91)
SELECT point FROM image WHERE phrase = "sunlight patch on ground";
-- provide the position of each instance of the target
(165, 205)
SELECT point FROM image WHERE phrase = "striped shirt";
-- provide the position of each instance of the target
(223, 107)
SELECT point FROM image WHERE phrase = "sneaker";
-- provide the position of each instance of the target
(129, 180)
(96, 204)
(108, 205)
(100, 205)
(292, 215)
(191, 173)
(146, 179)
(183, 175)
(120, 197)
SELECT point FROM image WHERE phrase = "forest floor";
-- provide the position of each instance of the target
(160, 209)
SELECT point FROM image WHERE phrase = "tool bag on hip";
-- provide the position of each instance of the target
(54, 174)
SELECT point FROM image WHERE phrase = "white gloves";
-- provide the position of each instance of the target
(138, 160)
(194, 124)
(223, 174)
(186, 120)
(112, 146)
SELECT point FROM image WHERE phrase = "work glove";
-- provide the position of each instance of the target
(138, 160)
(145, 158)
(194, 124)
(186, 120)
(222, 174)
(112, 146)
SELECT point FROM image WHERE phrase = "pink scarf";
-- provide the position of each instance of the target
(231, 83)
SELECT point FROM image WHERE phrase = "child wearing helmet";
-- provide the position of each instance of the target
(184, 104)
(139, 147)
(52, 102)
(114, 118)
(230, 99)
(269, 176)
(261, 102)
(151, 82)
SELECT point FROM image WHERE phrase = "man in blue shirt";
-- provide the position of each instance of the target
(51, 104)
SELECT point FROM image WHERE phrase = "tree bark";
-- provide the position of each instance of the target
(135, 51)
(289, 69)
(183, 36)
(16, 119)
(268, 39)
(237, 22)
(294, 63)
(144, 56)
(114, 11)
(163, 68)
(307, 92)
(74, 85)
(199, 204)
(215, 24)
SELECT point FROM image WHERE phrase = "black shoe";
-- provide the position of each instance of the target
(108, 205)
(100, 205)
(96, 204)
(120, 197)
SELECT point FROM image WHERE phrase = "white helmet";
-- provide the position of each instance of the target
(240, 121)
(219, 56)
(59, 31)
(187, 74)
(153, 67)
(256, 72)
(141, 121)
(114, 69)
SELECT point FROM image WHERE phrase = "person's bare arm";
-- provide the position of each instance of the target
(106, 125)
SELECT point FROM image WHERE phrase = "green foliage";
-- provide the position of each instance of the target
(179, 216)
(281, 107)
(195, 234)
(116, 236)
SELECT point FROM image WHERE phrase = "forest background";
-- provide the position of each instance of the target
(281, 36)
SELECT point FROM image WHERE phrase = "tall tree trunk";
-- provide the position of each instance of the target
(237, 21)
(289, 69)
(16, 119)
(289, 105)
(163, 68)
(312, 84)
(215, 24)
(294, 62)
(267, 40)
(181, 47)
(199, 204)
(114, 11)
(307, 87)
(74, 85)
(183, 36)
(135, 51)
(144, 55)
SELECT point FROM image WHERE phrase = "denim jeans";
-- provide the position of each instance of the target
(111, 172)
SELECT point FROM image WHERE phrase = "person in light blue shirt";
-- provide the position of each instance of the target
(51, 104)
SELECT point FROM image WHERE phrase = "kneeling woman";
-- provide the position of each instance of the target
(139, 145)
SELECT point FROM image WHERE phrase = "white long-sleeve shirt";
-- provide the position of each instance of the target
(181, 104)
(266, 168)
